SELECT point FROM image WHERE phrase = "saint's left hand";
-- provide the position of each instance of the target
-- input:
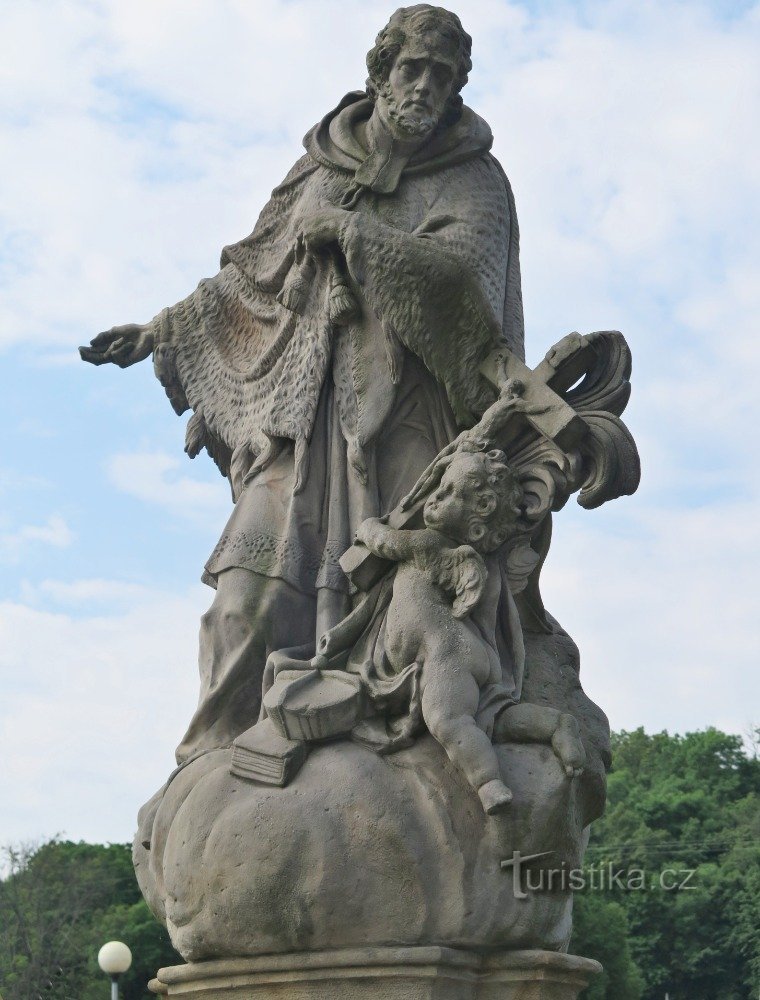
(322, 227)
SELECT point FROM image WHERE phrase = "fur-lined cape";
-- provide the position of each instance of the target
(436, 260)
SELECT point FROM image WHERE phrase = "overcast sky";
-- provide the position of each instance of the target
(136, 139)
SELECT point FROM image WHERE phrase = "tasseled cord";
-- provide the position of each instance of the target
(342, 305)
(294, 294)
(296, 288)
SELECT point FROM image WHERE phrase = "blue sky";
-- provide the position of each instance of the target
(137, 139)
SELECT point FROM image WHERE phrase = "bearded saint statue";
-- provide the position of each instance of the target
(337, 350)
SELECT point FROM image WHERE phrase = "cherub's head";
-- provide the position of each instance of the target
(477, 502)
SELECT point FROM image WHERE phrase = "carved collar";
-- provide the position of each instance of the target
(338, 142)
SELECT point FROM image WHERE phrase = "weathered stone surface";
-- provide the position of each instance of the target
(552, 677)
(355, 369)
(396, 973)
(367, 850)
(309, 409)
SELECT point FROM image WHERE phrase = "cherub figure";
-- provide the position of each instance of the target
(441, 577)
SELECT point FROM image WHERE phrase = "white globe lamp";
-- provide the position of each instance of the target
(114, 958)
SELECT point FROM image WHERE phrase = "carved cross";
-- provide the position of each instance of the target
(543, 412)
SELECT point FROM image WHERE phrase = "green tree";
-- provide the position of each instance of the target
(58, 904)
(678, 803)
(687, 803)
(600, 931)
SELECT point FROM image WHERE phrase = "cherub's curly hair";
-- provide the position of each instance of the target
(499, 499)
(389, 42)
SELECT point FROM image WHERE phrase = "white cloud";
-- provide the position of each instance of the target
(88, 592)
(137, 154)
(92, 708)
(156, 478)
(57, 359)
(663, 607)
(12, 481)
(55, 532)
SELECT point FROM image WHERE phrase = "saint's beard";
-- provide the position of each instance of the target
(409, 123)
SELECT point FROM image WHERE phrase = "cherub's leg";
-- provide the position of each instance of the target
(526, 723)
(449, 702)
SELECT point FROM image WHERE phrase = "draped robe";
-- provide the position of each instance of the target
(319, 425)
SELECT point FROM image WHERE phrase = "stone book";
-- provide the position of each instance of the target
(262, 754)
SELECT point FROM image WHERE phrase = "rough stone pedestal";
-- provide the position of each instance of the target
(391, 973)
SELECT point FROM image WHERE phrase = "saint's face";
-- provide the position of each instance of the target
(420, 83)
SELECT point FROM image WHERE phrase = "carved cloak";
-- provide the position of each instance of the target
(317, 424)
(434, 263)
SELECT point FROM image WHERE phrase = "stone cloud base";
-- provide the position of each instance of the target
(425, 973)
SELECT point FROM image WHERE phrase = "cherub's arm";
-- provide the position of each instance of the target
(390, 543)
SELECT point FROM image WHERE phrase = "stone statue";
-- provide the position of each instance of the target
(309, 362)
(387, 711)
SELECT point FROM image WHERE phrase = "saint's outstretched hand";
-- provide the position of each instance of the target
(121, 345)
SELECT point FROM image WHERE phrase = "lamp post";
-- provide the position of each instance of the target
(114, 958)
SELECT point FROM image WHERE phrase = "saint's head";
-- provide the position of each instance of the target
(417, 68)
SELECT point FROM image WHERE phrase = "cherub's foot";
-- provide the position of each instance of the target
(566, 743)
(494, 796)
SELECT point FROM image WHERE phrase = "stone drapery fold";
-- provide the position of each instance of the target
(428, 260)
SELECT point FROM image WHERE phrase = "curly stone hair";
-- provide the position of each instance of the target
(389, 42)
(498, 500)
